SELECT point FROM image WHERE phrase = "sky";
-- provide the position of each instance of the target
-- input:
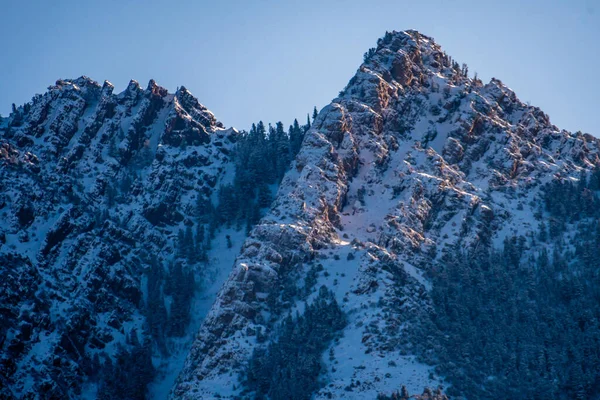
(275, 60)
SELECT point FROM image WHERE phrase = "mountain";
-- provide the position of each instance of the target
(452, 227)
(100, 192)
(424, 233)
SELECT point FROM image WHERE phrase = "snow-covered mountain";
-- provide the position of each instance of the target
(430, 230)
(96, 189)
(413, 165)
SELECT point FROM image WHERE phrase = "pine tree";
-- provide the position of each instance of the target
(181, 290)
(296, 135)
(281, 145)
(200, 241)
(156, 312)
(264, 196)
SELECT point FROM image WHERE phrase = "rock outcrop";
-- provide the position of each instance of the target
(413, 160)
(95, 187)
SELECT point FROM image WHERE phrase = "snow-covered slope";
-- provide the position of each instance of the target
(94, 189)
(411, 162)
(106, 240)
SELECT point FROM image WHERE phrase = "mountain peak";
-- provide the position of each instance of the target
(75, 164)
(85, 86)
(387, 220)
(407, 38)
(81, 82)
(401, 56)
(412, 160)
(155, 89)
(185, 100)
(409, 65)
(133, 85)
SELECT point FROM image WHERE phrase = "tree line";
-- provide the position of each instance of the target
(513, 323)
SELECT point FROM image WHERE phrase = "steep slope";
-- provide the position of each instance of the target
(413, 164)
(99, 196)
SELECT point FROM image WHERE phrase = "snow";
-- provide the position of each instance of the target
(70, 274)
(221, 261)
(406, 198)
(395, 203)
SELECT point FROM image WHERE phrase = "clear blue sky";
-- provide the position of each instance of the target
(273, 60)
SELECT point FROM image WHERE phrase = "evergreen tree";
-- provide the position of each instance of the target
(181, 289)
(156, 312)
(289, 367)
(264, 196)
(281, 146)
(200, 243)
(296, 135)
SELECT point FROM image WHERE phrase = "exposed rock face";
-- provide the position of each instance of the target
(93, 185)
(411, 162)
(414, 159)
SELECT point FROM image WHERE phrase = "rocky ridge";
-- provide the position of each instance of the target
(94, 189)
(413, 163)
(413, 160)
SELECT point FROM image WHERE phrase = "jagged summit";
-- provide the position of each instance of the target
(402, 57)
(81, 82)
(413, 160)
(51, 120)
(91, 90)
(407, 58)
(399, 50)
(96, 188)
